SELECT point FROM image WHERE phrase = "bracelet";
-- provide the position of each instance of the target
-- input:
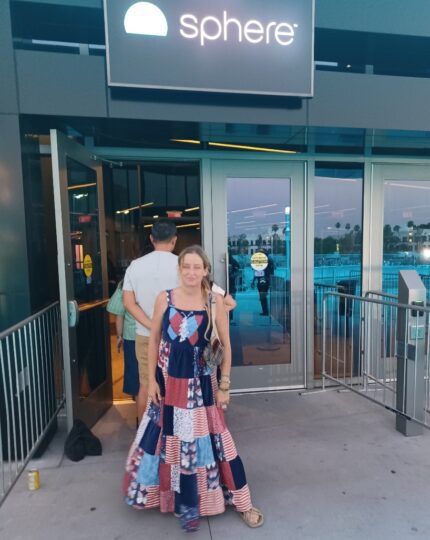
(224, 389)
(226, 377)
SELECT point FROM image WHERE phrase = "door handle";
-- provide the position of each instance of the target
(73, 313)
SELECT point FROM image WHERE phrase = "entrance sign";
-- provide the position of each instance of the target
(88, 266)
(233, 46)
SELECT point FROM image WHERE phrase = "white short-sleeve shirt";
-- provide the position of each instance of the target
(147, 277)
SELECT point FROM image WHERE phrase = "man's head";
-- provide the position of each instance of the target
(163, 235)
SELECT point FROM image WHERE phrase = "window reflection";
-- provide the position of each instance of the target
(259, 243)
(87, 276)
(337, 241)
(406, 231)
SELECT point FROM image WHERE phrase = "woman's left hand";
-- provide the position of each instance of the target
(222, 399)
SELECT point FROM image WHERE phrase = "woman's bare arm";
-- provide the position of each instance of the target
(153, 346)
(222, 326)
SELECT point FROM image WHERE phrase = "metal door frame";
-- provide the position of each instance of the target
(215, 235)
(374, 212)
(61, 148)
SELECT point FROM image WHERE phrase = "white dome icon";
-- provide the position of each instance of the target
(146, 19)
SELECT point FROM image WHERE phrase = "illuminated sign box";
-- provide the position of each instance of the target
(239, 46)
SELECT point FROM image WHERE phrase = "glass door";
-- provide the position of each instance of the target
(258, 238)
(82, 269)
(403, 224)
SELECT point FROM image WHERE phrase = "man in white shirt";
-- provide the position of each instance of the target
(144, 279)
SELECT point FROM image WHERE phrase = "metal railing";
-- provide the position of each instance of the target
(379, 348)
(31, 390)
(390, 280)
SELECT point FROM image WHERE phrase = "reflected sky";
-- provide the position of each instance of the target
(337, 200)
(254, 205)
(406, 201)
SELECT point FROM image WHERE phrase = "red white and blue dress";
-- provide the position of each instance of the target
(183, 458)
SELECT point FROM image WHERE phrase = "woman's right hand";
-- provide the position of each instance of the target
(154, 392)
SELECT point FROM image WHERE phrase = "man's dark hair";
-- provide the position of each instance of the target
(163, 230)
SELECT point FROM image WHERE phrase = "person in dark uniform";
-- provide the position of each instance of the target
(233, 273)
(262, 279)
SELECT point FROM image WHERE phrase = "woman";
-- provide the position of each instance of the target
(183, 458)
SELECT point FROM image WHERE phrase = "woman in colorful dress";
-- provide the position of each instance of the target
(183, 459)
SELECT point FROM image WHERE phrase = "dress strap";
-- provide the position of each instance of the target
(169, 295)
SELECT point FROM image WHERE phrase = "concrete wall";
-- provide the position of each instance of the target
(14, 283)
(61, 84)
(69, 85)
(406, 17)
(8, 97)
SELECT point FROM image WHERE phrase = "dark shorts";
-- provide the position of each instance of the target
(131, 368)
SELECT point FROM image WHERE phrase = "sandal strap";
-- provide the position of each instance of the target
(246, 515)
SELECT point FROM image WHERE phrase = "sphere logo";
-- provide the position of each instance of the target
(146, 19)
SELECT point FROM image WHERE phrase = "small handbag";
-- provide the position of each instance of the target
(213, 353)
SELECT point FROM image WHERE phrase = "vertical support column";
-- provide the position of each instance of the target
(410, 354)
(14, 273)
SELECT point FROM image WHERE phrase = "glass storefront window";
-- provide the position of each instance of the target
(338, 238)
(87, 275)
(406, 231)
(259, 274)
(136, 195)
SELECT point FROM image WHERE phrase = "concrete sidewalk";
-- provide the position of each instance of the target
(321, 466)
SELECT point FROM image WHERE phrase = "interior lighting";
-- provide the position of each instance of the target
(408, 186)
(127, 210)
(192, 209)
(186, 141)
(252, 148)
(426, 253)
(325, 63)
(237, 146)
(187, 225)
(253, 208)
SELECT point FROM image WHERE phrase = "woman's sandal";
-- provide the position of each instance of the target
(246, 516)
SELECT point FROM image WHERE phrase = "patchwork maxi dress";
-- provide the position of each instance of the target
(183, 459)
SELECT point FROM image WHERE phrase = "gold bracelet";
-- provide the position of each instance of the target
(224, 389)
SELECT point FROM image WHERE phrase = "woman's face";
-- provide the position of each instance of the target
(192, 270)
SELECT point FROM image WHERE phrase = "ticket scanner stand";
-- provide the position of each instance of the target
(410, 340)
